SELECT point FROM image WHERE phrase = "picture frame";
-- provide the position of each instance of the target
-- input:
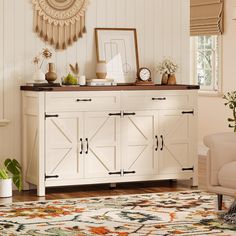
(118, 47)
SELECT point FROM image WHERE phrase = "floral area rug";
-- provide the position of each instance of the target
(175, 213)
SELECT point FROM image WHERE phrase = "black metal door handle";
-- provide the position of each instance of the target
(129, 114)
(87, 147)
(157, 143)
(115, 173)
(162, 143)
(159, 99)
(187, 112)
(114, 114)
(129, 172)
(81, 146)
(84, 100)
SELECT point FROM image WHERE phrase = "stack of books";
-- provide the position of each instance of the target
(100, 82)
(33, 82)
(42, 84)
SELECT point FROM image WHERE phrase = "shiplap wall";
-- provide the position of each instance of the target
(162, 27)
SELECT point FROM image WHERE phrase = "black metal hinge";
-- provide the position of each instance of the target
(51, 176)
(186, 169)
(50, 116)
(187, 112)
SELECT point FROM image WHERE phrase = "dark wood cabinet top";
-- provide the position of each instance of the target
(49, 88)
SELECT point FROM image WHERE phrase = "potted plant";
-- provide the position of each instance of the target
(167, 69)
(230, 97)
(10, 171)
(38, 60)
(231, 102)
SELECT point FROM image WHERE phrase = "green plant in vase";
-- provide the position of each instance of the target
(10, 171)
(231, 102)
(73, 77)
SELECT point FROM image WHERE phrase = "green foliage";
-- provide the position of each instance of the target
(70, 80)
(230, 97)
(12, 168)
(3, 173)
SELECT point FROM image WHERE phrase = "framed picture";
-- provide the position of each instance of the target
(119, 48)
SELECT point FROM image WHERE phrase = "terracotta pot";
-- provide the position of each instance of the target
(171, 80)
(164, 79)
(51, 75)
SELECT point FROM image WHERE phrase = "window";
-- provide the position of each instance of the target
(205, 56)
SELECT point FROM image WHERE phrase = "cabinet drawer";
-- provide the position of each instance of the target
(82, 101)
(157, 100)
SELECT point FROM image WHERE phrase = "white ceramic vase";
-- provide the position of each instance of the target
(5, 187)
(39, 76)
(101, 70)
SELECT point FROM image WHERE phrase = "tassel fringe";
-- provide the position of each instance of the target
(84, 28)
(59, 36)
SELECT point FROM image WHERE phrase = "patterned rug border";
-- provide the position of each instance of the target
(111, 196)
(188, 212)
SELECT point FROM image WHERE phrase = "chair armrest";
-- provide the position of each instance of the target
(222, 150)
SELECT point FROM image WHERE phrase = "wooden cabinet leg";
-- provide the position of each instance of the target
(194, 181)
(112, 185)
(40, 191)
(219, 201)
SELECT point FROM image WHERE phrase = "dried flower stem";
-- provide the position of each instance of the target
(168, 67)
(45, 54)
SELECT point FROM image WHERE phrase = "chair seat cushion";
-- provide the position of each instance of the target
(227, 175)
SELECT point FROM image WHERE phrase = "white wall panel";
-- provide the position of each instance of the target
(140, 26)
(88, 48)
(8, 139)
(121, 20)
(1, 59)
(112, 5)
(185, 36)
(162, 27)
(149, 35)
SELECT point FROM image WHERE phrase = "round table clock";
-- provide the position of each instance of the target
(144, 77)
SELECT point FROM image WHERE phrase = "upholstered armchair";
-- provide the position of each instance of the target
(221, 164)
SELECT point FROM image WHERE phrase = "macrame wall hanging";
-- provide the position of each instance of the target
(60, 22)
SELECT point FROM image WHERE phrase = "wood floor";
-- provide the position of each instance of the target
(100, 190)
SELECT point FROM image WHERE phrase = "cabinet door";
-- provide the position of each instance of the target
(139, 143)
(63, 133)
(176, 133)
(102, 131)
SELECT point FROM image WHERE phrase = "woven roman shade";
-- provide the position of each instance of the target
(206, 17)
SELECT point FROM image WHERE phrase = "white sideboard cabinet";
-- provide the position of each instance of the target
(108, 135)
